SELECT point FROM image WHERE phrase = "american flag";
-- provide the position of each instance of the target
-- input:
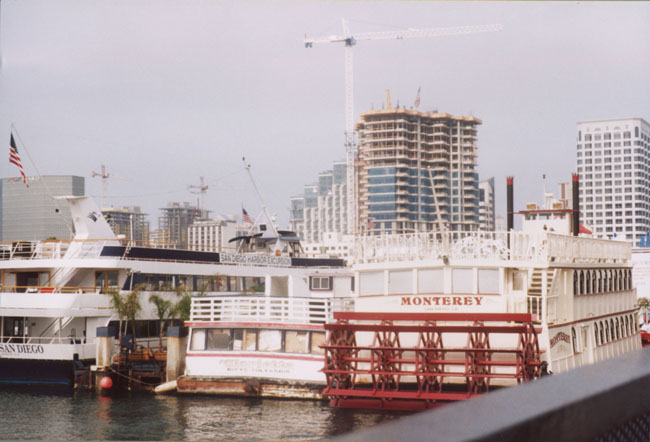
(417, 99)
(245, 217)
(14, 158)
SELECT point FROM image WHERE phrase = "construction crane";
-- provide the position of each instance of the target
(202, 188)
(349, 40)
(104, 175)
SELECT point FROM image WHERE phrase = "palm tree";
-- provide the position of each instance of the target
(184, 304)
(118, 303)
(165, 310)
(133, 307)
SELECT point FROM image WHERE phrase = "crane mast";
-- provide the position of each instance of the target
(349, 40)
(201, 188)
(104, 175)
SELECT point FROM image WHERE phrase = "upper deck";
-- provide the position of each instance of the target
(106, 249)
(513, 249)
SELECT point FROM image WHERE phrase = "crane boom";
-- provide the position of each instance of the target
(402, 34)
(349, 40)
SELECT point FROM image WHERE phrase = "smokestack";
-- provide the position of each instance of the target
(576, 204)
(510, 207)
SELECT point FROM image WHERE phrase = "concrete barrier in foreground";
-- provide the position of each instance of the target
(601, 402)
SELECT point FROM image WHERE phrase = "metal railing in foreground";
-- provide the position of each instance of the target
(601, 402)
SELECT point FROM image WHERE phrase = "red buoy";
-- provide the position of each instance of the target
(106, 383)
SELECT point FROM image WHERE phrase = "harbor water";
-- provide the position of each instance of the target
(42, 414)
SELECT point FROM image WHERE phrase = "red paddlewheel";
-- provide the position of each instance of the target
(420, 374)
(383, 359)
(341, 360)
(528, 355)
(476, 371)
(427, 361)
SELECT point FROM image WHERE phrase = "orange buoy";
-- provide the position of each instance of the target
(106, 383)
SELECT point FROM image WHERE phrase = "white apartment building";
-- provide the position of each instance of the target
(613, 162)
(322, 206)
(332, 245)
(486, 210)
(212, 235)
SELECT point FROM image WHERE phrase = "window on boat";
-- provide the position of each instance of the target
(296, 341)
(371, 283)
(488, 281)
(519, 280)
(462, 280)
(197, 341)
(400, 281)
(105, 281)
(431, 281)
(607, 338)
(270, 340)
(244, 339)
(320, 282)
(317, 339)
(218, 339)
(596, 334)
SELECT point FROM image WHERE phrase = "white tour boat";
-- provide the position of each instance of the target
(267, 344)
(54, 293)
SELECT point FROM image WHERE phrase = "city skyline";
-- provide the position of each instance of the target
(167, 92)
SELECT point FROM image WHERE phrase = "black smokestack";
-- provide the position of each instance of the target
(576, 204)
(510, 207)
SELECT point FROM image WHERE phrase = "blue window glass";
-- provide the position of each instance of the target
(382, 189)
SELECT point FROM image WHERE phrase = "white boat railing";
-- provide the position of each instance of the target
(51, 249)
(266, 309)
(535, 248)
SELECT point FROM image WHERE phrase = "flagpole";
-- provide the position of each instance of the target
(13, 129)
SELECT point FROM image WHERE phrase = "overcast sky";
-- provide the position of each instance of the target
(163, 92)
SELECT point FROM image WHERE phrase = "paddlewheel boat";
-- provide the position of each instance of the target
(448, 315)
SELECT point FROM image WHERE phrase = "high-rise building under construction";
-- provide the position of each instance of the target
(401, 152)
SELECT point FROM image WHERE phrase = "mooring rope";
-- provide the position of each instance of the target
(130, 378)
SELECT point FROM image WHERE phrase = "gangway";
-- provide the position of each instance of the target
(400, 360)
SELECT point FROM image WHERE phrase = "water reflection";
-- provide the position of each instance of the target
(61, 415)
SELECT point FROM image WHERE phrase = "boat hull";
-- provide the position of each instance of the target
(36, 371)
(251, 387)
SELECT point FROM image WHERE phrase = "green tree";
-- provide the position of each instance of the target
(184, 304)
(133, 307)
(165, 310)
(118, 304)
